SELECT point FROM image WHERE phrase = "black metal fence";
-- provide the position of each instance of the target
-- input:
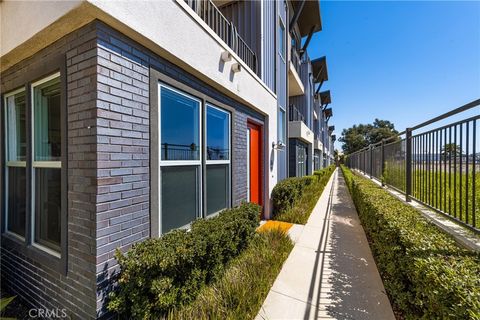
(225, 29)
(437, 167)
(295, 114)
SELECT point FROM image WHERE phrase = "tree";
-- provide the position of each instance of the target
(339, 157)
(451, 149)
(362, 135)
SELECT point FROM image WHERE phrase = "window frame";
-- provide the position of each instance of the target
(12, 164)
(179, 163)
(37, 70)
(157, 78)
(218, 162)
(41, 164)
(282, 126)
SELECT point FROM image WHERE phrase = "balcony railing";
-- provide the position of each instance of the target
(437, 167)
(295, 114)
(225, 29)
(295, 58)
(172, 151)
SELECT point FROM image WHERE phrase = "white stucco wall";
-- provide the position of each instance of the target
(299, 130)
(21, 20)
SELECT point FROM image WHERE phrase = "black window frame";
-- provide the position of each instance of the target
(32, 73)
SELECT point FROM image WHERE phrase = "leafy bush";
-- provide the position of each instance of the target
(159, 274)
(294, 198)
(426, 274)
(285, 193)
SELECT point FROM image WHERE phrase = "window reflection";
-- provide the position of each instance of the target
(218, 135)
(180, 121)
(47, 121)
(16, 123)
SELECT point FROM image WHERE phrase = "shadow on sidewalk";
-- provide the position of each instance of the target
(349, 286)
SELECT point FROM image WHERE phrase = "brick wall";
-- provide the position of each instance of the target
(123, 136)
(123, 101)
(240, 158)
(108, 166)
(38, 283)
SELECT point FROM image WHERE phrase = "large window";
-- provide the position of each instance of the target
(281, 39)
(180, 126)
(41, 151)
(282, 132)
(180, 162)
(47, 152)
(183, 172)
(16, 152)
(218, 159)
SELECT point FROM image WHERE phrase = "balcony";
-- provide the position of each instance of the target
(295, 87)
(212, 16)
(295, 114)
(297, 127)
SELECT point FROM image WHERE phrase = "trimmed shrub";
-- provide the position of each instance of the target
(426, 274)
(285, 193)
(159, 274)
(290, 192)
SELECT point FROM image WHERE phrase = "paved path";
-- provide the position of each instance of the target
(330, 273)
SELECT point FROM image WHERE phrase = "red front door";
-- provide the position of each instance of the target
(255, 163)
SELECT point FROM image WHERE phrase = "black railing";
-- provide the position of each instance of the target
(295, 58)
(180, 152)
(295, 114)
(225, 29)
(437, 167)
(217, 154)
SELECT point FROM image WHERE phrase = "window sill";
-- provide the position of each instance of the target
(13, 242)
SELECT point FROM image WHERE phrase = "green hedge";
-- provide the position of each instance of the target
(294, 198)
(426, 274)
(288, 191)
(159, 274)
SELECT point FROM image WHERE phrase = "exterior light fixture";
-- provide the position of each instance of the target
(236, 67)
(278, 146)
(226, 56)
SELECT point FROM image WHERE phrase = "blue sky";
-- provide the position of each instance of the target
(403, 61)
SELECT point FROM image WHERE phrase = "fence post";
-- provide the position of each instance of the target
(382, 164)
(371, 161)
(408, 165)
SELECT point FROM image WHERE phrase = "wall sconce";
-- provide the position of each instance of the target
(278, 146)
(226, 56)
(236, 67)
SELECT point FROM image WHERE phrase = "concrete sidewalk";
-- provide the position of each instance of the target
(330, 273)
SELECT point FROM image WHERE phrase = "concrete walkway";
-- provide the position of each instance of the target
(330, 273)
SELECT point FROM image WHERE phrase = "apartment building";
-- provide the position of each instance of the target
(122, 121)
(310, 138)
